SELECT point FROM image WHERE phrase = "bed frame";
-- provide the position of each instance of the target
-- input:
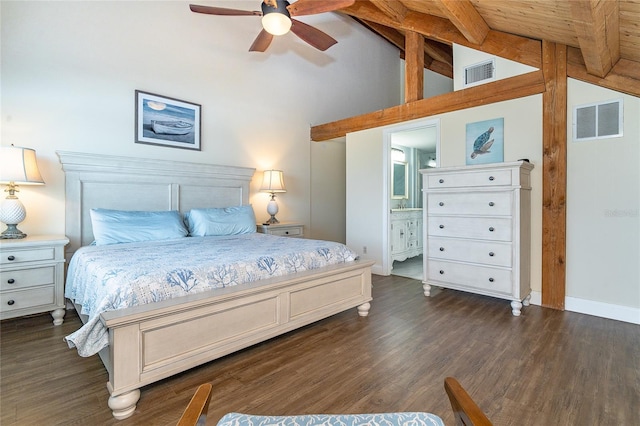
(151, 342)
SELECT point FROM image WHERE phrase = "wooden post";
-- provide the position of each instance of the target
(554, 174)
(414, 67)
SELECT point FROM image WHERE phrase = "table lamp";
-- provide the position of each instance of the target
(272, 182)
(18, 166)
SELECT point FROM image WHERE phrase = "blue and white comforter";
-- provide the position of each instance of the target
(106, 278)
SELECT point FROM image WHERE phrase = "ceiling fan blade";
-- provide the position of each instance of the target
(262, 42)
(210, 10)
(312, 35)
(311, 7)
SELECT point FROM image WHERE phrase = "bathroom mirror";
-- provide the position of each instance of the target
(399, 180)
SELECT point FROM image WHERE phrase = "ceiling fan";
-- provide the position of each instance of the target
(277, 20)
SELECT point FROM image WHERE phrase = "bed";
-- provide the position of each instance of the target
(153, 341)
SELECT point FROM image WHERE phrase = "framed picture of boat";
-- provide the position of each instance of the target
(165, 121)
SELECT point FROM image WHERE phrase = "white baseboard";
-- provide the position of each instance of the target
(598, 309)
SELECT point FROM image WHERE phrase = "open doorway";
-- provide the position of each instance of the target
(409, 148)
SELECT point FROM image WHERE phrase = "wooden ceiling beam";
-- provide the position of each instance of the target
(596, 23)
(466, 19)
(393, 9)
(509, 46)
(510, 88)
(624, 77)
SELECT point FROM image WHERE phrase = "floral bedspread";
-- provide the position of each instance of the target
(106, 278)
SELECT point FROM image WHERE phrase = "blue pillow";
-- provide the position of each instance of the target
(120, 226)
(221, 221)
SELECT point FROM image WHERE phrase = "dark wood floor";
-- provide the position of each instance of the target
(543, 368)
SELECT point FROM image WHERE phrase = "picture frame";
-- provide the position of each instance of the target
(164, 121)
(485, 142)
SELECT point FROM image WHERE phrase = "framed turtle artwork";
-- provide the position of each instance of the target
(165, 121)
(485, 142)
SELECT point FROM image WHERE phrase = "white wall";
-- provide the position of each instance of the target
(69, 71)
(603, 219)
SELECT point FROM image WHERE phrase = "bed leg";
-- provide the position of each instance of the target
(363, 310)
(124, 405)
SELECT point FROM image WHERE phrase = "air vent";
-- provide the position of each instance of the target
(479, 73)
(597, 121)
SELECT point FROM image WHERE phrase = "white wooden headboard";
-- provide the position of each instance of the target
(125, 183)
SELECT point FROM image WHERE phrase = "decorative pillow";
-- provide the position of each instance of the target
(121, 226)
(221, 221)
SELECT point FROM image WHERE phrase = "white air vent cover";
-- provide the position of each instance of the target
(597, 121)
(480, 73)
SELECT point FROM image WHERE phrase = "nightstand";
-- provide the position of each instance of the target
(295, 230)
(32, 276)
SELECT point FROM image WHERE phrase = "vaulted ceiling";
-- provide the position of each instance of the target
(602, 36)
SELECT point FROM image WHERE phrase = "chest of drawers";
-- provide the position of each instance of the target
(32, 277)
(477, 233)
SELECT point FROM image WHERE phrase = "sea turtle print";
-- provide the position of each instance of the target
(482, 143)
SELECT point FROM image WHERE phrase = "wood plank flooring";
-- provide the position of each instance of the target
(543, 368)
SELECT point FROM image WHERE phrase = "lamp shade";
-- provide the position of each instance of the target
(276, 20)
(18, 165)
(273, 181)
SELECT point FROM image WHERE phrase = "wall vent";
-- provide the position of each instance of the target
(480, 73)
(597, 121)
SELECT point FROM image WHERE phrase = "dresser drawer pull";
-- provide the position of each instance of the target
(11, 258)
(491, 254)
(441, 272)
(491, 229)
(11, 281)
(490, 280)
(441, 248)
(441, 226)
(441, 181)
(286, 232)
(10, 302)
(441, 204)
(491, 204)
(491, 178)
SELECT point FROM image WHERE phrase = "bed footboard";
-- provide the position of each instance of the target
(147, 344)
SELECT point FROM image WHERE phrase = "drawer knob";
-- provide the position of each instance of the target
(491, 229)
(491, 178)
(441, 226)
(11, 281)
(441, 181)
(441, 204)
(490, 280)
(441, 248)
(441, 272)
(11, 258)
(491, 203)
(11, 302)
(286, 232)
(491, 254)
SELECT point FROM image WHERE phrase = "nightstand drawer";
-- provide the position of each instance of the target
(12, 257)
(26, 299)
(21, 278)
(294, 231)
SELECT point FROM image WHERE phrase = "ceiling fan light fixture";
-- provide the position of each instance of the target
(276, 20)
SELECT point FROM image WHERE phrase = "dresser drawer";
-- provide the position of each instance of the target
(469, 179)
(20, 278)
(12, 257)
(23, 299)
(484, 228)
(476, 277)
(474, 203)
(487, 253)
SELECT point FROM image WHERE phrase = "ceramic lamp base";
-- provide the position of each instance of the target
(12, 233)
